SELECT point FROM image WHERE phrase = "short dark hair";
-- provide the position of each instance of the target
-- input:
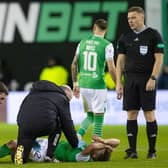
(137, 9)
(102, 155)
(101, 23)
(3, 88)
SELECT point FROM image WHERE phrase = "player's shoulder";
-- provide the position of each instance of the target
(89, 37)
(107, 41)
(103, 41)
(84, 40)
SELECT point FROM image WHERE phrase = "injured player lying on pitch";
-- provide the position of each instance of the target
(99, 150)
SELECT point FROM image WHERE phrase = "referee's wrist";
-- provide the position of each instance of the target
(153, 77)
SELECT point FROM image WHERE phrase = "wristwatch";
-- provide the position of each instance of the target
(153, 77)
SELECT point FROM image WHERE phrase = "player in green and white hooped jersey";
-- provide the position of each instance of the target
(89, 61)
(100, 150)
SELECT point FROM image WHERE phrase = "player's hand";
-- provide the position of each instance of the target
(97, 139)
(76, 91)
(150, 85)
(109, 147)
(119, 90)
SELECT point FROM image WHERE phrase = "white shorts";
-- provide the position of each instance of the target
(39, 150)
(94, 100)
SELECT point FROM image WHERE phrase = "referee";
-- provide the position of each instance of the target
(44, 112)
(140, 57)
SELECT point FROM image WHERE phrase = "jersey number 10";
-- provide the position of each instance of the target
(90, 60)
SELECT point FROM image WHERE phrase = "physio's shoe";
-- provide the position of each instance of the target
(151, 155)
(130, 154)
(19, 155)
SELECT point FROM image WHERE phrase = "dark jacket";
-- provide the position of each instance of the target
(45, 106)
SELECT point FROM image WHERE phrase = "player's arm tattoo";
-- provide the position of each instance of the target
(74, 68)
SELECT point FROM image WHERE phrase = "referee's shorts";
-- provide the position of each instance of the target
(135, 94)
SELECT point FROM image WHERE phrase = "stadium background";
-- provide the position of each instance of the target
(27, 39)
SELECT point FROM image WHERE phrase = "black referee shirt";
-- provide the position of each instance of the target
(139, 49)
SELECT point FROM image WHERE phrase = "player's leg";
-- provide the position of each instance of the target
(98, 124)
(148, 106)
(151, 130)
(86, 97)
(53, 140)
(39, 150)
(99, 100)
(25, 143)
(132, 131)
(132, 105)
(85, 123)
(7, 148)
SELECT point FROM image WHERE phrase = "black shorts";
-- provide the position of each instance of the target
(135, 95)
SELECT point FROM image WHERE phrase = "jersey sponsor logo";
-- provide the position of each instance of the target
(143, 50)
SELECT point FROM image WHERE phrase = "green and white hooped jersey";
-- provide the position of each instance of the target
(63, 151)
(93, 53)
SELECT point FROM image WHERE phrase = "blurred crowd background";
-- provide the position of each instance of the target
(38, 38)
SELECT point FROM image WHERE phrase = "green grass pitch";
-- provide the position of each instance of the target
(8, 132)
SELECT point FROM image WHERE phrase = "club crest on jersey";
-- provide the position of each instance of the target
(143, 50)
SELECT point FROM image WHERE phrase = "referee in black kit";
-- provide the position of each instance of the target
(44, 111)
(140, 57)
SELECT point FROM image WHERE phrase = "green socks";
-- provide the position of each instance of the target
(98, 124)
(85, 123)
(97, 119)
(4, 151)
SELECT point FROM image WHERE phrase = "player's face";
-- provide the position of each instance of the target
(135, 20)
(2, 97)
